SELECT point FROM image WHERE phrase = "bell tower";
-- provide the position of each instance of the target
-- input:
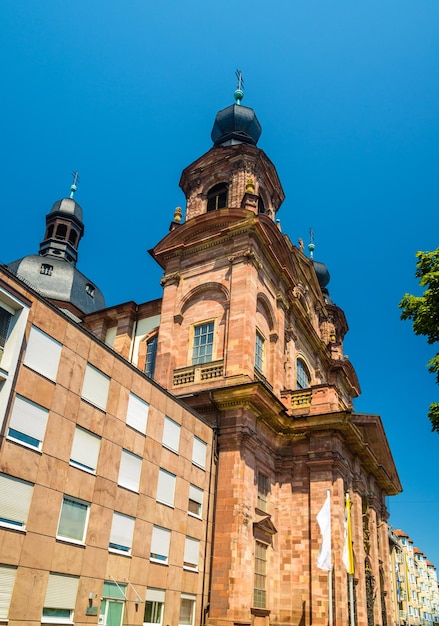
(250, 338)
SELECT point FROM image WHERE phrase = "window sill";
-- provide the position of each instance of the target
(82, 468)
(23, 444)
(17, 529)
(158, 562)
(119, 552)
(260, 612)
(171, 506)
(187, 568)
(71, 542)
(194, 515)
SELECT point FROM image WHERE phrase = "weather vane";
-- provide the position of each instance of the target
(75, 175)
(239, 93)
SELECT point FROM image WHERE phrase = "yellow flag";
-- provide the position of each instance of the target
(348, 553)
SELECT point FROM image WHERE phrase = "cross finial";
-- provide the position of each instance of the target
(75, 175)
(239, 93)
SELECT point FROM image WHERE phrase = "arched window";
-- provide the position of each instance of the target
(261, 206)
(73, 237)
(151, 353)
(49, 232)
(303, 378)
(61, 231)
(217, 197)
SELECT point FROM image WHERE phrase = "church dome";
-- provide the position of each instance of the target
(68, 207)
(236, 124)
(322, 273)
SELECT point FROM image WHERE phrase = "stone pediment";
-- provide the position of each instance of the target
(264, 524)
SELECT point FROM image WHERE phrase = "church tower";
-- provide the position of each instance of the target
(250, 338)
(53, 271)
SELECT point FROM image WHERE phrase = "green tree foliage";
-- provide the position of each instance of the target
(424, 312)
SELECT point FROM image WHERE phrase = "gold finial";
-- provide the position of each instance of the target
(250, 186)
(178, 213)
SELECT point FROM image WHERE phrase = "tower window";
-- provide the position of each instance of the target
(217, 197)
(49, 232)
(261, 206)
(303, 378)
(61, 231)
(203, 343)
(259, 352)
(73, 237)
(151, 353)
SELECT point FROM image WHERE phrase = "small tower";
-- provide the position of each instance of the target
(53, 271)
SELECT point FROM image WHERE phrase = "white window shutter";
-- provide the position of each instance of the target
(85, 449)
(166, 487)
(171, 434)
(61, 592)
(191, 552)
(7, 579)
(130, 470)
(160, 541)
(95, 387)
(15, 497)
(199, 453)
(42, 353)
(122, 529)
(155, 595)
(29, 418)
(137, 413)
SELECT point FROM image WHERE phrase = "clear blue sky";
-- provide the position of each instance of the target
(347, 94)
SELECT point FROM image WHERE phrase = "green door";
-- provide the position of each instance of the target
(115, 613)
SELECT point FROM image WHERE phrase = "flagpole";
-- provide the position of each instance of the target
(331, 615)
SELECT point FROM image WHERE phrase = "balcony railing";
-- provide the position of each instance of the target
(198, 373)
(316, 399)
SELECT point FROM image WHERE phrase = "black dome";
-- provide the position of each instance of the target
(236, 124)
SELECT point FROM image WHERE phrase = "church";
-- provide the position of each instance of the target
(166, 462)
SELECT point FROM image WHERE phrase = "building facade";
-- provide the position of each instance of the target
(244, 352)
(105, 480)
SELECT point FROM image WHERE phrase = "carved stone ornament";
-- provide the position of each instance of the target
(170, 278)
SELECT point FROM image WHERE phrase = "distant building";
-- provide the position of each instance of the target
(416, 584)
(171, 457)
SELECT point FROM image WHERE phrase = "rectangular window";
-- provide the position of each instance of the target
(259, 597)
(42, 353)
(171, 434)
(160, 540)
(187, 610)
(191, 553)
(263, 491)
(129, 471)
(28, 423)
(7, 580)
(85, 450)
(202, 349)
(15, 497)
(259, 352)
(151, 354)
(121, 535)
(166, 487)
(195, 505)
(95, 387)
(73, 520)
(154, 605)
(137, 413)
(199, 453)
(60, 599)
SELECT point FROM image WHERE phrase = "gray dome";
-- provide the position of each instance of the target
(236, 124)
(57, 279)
(69, 207)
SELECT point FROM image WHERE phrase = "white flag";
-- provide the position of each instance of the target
(324, 560)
